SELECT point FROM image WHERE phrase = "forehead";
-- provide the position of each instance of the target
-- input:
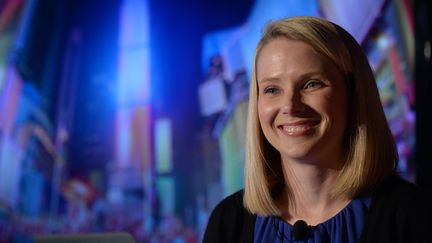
(290, 57)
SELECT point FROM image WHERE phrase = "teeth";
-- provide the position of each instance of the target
(295, 128)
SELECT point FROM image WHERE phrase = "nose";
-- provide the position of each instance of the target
(292, 103)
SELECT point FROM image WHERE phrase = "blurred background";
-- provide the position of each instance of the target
(129, 115)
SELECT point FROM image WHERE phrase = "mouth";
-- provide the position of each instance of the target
(297, 129)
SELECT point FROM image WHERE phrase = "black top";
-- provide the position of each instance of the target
(399, 212)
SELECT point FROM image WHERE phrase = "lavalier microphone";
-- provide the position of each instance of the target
(300, 230)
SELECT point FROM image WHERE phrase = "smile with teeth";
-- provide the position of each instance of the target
(298, 129)
(295, 128)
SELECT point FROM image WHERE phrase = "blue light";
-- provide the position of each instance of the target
(134, 71)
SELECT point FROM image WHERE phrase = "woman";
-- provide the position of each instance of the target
(320, 157)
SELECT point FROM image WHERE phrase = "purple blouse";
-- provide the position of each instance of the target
(344, 227)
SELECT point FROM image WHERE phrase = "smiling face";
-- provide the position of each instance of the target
(302, 102)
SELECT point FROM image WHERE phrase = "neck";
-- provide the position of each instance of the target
(308, 193)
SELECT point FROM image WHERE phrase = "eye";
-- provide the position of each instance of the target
(271, 90)
(313, 84)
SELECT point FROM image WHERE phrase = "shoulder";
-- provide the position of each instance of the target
(399, 212)
(229, 221)
(230, 204)
(400, 192)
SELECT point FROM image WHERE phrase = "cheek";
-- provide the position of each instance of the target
(337, 111)
(265, 117)
(265, 112)
(341, 106)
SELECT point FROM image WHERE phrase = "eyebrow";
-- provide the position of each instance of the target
(267, 80)
(300, 77)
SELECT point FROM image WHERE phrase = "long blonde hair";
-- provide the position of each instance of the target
(371, 150)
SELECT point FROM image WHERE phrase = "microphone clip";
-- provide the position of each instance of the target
(300, 230)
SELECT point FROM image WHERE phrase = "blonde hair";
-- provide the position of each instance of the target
(371, 150)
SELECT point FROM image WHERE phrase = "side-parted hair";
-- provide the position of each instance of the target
(371, 151)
